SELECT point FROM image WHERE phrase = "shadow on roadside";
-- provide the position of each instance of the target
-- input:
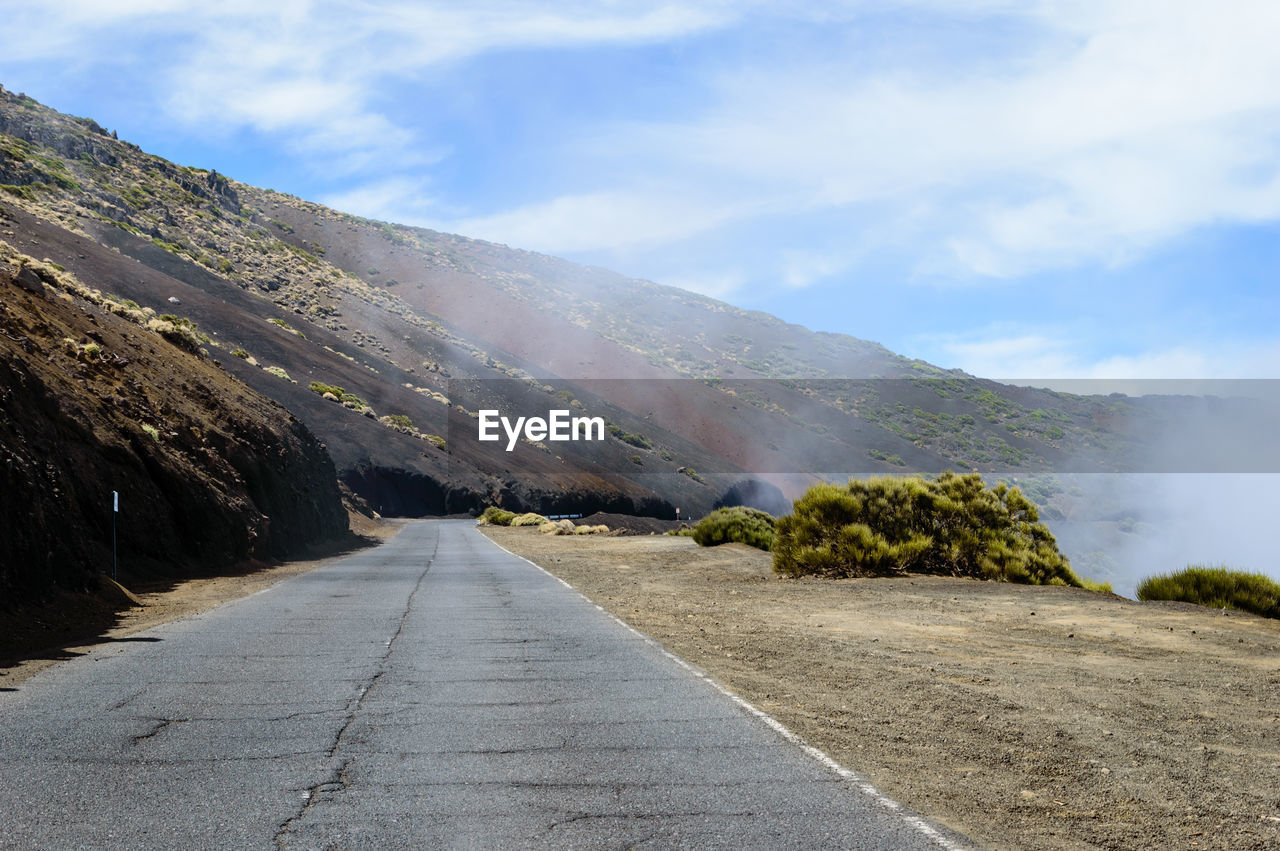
(48, 631)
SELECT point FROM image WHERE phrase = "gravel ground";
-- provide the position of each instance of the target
(1024, 717)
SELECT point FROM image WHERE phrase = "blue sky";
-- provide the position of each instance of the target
(1023, 190)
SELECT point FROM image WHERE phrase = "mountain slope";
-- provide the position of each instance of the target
(422, 330)
(101, 397)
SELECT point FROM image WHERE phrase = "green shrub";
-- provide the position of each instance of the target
(628, 438)
(737, 523)
(240, 353)
(953, 526)
(896, 460)
(400, 421)
(496, 516)
(179, 331)
(279, 372)
(321, 388)
(353, 399)
(528, 519)
(1215, 587)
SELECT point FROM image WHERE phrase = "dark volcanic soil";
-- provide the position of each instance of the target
(629, 524)
(209, 473)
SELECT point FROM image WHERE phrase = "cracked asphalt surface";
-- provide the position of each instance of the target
(432, 692)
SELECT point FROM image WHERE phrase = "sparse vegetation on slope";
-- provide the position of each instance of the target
(1217, 588)
(209, 472)
(396, 312)
(334, 270)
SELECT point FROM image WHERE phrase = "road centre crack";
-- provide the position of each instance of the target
(337, 780)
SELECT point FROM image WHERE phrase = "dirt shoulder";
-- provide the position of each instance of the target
(103, 619)
(1025, 717)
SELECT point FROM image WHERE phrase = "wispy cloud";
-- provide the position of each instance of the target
(405, 199)
(316, 74)
(1029, 353)
(1123, 125)
(614, 220)
(744, 144)
(1090, 132)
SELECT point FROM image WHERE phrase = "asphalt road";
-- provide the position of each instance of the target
(433, 692)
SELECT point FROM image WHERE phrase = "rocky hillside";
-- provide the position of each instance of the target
(387, 341)
(100, 395)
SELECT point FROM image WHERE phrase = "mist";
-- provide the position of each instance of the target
(1144, 524)
(1205, 473)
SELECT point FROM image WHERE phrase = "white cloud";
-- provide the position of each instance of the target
(437, 32)
(1094, 132)
(1015, 354)
(601, 220)
(801, 269)
(404, 200)
(1036, 355)
(1117, 126)
(313, 73)
(715, 285)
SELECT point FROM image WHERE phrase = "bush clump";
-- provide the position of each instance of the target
(179, 330)
(281, 323)
(321, 388)
(739, 524)
(636, 440)
(495, 516)
(351, 400)
(1215, 587)
(528, 519)
(954, 526)
(557, 527)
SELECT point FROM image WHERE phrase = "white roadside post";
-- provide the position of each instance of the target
(115, 509)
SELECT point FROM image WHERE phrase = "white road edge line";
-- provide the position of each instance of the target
(863, 785)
